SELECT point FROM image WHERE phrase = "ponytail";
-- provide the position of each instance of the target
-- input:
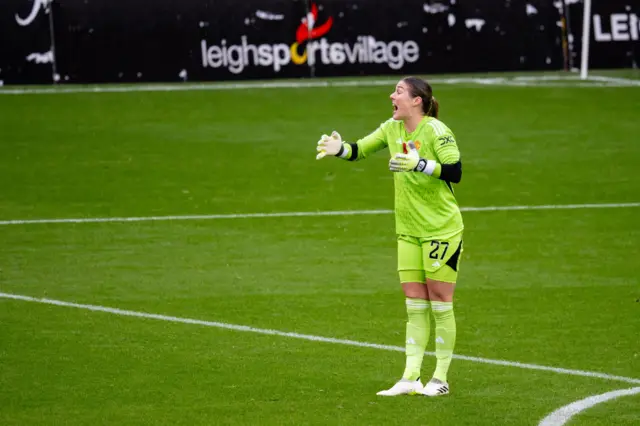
(433, 109)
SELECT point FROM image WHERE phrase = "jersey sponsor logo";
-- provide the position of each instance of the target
(446, 139)
(310, 47)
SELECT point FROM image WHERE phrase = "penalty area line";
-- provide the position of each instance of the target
(307, 214)
(235, 327)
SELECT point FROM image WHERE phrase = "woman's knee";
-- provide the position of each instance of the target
(415, 290)
(440, 291)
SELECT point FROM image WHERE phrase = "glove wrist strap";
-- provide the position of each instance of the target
(345, 151)
(425, 166)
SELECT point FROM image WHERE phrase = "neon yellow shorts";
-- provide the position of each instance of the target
(421, 258)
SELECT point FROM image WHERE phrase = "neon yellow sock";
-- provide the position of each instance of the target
(417, 335)
(445, 337)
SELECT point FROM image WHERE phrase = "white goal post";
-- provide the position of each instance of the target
(586, 35)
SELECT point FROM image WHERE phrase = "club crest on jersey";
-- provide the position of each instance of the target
(405, 147)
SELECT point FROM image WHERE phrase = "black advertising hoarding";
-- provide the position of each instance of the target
(615, 33)
(25, 42)
(214, 40)
(208, 40)
(300, 39)
(127, 41)
(481, 35)
(253, 40)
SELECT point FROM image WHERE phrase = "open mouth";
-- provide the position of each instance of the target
(395, 107)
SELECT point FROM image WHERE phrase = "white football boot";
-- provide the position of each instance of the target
(435, 387)
(403, 387)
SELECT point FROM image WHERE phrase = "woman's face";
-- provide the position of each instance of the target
(402, 101)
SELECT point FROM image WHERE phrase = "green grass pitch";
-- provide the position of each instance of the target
(555, 288)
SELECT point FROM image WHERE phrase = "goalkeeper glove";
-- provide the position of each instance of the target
(411, 162)
(329, 145)
(405, 162)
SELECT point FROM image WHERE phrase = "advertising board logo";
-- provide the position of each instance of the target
(308, 31)
(616, 27)
(26, 20)
(38, 5)
(310, 47)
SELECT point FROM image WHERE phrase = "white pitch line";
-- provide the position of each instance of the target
(562, 415)
(552, 207)
(196, 217)
(310, 337)
(305, 214)
(616, 80)
(572, 80)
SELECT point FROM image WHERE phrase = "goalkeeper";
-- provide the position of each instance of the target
(426, 161)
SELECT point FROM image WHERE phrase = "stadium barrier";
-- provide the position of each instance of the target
(89, 41)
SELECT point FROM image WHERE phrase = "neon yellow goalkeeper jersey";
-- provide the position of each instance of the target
(425, 206)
